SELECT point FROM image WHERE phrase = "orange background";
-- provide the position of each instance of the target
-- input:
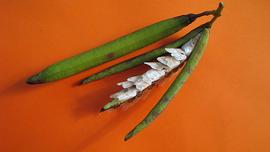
(224, 106)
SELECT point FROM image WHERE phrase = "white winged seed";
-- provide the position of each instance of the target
(178, 54)
(189, 46)
(169, 61)
(133, 79)
(141, 85)
(125, 94)
(156, 65)
(153, 75)
(126, 84)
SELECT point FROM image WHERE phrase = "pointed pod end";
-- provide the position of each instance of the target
(128, 136)
(34, 80)
(102, 110)
(83, 82)
(106, 107)
(88, 80)
(113, 104)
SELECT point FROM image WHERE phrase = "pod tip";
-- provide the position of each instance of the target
(84, 81)
(34, 80)
(127, 137)
(105, 108)
(131, 134)
(102, 110)
(87, 80)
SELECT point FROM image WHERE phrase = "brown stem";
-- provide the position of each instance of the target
(217, 13)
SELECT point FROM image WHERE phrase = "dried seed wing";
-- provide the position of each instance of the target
(125, 84)
(141, 84)
(178, 54)
(189, 46)
(169, 61)
(134, 78)
(153, 75)
(120, 97)
(156, 65)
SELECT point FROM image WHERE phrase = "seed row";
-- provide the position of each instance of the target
(136, 84)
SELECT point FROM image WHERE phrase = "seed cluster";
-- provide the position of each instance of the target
(159, 69)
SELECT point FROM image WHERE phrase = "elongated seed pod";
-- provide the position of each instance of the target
(176, 85)
(114, 49)
(144, 57)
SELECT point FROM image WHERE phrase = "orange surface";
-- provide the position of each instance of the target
(224, 106)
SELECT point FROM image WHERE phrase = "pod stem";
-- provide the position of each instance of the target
(216, 13)
(205, 13)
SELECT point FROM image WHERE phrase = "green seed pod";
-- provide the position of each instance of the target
(114, 49)
(144, 57)
(176, 85)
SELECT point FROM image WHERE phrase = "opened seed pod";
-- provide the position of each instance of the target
(193, 60)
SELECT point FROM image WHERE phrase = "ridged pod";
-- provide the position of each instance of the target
(114, 49)
(176, 85)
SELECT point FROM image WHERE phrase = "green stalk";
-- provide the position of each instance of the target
(114, 49)
(144, 57)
